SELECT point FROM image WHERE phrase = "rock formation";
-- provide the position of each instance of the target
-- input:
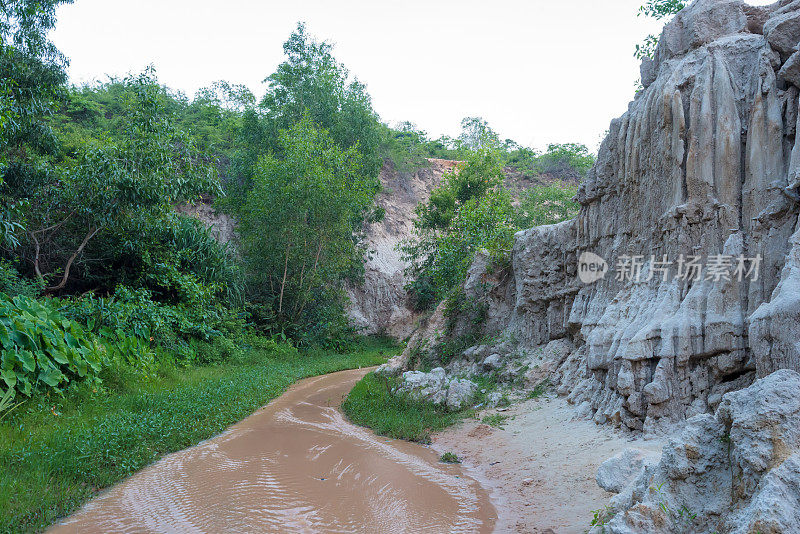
(737, 471)
(702, 170)
(380, 304)
(222, 225)
(435, 387)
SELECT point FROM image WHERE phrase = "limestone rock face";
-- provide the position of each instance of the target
(737, 471)
(380, 304)
(222, 225)
(791, 70)
(616, 473)
(701, 171)
(783, 32)
(460, 393)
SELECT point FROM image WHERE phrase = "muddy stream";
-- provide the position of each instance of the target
(296, 465)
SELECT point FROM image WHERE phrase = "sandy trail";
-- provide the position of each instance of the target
(296, 465)
(541, 466)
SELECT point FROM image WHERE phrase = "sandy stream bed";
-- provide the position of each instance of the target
(540, 467)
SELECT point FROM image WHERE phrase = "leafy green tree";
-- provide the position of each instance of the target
(214, 117)
(657, 9)
(470, 211)
(476, 134)
(298, 224)
(483, 223)
(567, 161)
(311, 81)
(32, 74)
(404, 146)
(481, 172)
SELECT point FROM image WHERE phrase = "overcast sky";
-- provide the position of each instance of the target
(540, 71)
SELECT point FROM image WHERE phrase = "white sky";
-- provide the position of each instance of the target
(539, 71)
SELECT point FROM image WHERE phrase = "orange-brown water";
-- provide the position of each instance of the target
(296, 465)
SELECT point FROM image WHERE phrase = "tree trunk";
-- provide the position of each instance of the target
(283, 283)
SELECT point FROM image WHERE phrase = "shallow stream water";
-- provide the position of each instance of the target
(296, 465)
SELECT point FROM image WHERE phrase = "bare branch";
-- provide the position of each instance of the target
(72, 258)
(36, 256)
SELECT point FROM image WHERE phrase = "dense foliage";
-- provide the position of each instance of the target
(297, 226)
(547, 204)
(32, 76)
(407, 148)
(40, 346)
(310, 82)
(472, 211)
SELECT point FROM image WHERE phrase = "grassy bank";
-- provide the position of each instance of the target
(372, 404)
(57, 452)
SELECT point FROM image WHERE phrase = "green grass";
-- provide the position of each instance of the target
(450, 458)
(371, 404)
(496, 420)
(540, 389)
(57, 452)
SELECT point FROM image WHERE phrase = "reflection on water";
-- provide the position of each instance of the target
(294, 466)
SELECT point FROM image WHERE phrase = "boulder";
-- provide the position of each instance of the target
(791, 70)
(436, 387)
(619, 471)
(492, 362)
(430, 387)
(496, 399)
(756, 17)
(460, 394)
(648, 72)
(703, 22)
(783, 32)
(775, 507)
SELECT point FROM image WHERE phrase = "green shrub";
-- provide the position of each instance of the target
(450, 458)
(189, 263)
(470, 212)
(135, 312)
(566, 161)
(547, 204)
(13, 284)
(41, 348)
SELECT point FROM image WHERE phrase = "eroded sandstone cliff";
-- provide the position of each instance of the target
(702, 171)
(703, 165)
(380, 304)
